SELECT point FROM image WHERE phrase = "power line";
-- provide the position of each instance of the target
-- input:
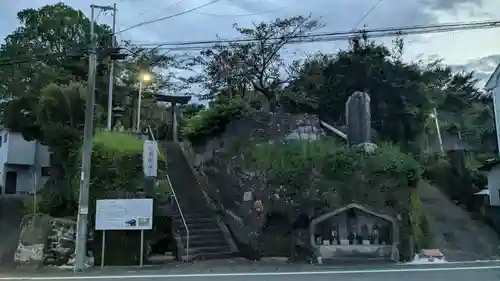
(166, 9)
(366, 14)
(242, 15)
(295, 39)
(168, 17)
(324, 39)
(343, 35)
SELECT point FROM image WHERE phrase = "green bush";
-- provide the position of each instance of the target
(479, 178)
(211, 122)
(326, 169)
(420, 224)
(29, 205)
(117, 167)
(117, 173)
(382, 181)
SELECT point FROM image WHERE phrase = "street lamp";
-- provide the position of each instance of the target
(143, 78)
(434, 116)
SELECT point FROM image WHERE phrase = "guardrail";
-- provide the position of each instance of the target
(150, 131)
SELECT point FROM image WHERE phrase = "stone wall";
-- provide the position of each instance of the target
(226, 176)
(35, 231)
(46, 241)
(221, 160)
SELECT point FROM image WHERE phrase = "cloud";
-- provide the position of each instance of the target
(482, 67)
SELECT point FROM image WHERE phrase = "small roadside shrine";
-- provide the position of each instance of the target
(354, 231)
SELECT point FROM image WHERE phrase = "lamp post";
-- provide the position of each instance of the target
(143, 78)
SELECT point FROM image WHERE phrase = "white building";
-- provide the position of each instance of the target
(24, 165)
(493, 168)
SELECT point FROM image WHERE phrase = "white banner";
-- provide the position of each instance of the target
(124, 214)
(150, 158)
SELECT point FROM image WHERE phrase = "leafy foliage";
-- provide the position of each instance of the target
(420, 226)
(54, 117)
(402, 94)
(322, 169)
(238, 69)
(55, 34)
(211, 122)
(116, 172)
(190, 110)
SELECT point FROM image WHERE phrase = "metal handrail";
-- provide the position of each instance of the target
(175, 198)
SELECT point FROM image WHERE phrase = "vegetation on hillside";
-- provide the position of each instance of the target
(300, 169)
(211, 122)
(44, 99)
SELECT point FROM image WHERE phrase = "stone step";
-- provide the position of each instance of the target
(209, 249)
(213, 242)
(209, 256)
(201, 225)
(197, 215)
(161, 258)
(209, 231)
(193, 220)
(207, 237)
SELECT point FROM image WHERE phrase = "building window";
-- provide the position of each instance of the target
(45, 171)
(1, 141)
(5, 139)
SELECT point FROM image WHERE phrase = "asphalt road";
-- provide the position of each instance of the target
(450, 272)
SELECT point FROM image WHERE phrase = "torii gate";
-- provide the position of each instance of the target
(174, 101)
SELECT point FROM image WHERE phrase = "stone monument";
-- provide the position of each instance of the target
(358, 119)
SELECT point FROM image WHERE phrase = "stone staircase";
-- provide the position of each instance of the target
(208, 237)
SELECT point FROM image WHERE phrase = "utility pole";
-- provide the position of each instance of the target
(111, 72)
(83, 200)
(139, 98)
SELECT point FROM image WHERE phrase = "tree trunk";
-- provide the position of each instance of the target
(271, 97)
(272, 103)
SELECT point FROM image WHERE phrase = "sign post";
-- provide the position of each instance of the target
(103, 247)
(141, 256)
(124, 214)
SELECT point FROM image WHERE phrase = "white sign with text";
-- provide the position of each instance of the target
(150, 158)
(124, 214)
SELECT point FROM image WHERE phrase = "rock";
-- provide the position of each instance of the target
(47, 241)
(61, 241)
(33, 240)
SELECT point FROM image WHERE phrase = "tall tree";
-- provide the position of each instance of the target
(256, 64)
(402, 94)
(50, 42)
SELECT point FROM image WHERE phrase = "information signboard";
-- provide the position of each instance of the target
(124, 214)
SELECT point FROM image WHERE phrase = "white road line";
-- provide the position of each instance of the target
(449, 263)
(335, 272)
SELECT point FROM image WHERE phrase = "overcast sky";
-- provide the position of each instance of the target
(478, 50)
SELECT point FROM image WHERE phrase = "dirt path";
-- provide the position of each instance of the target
(454, 231)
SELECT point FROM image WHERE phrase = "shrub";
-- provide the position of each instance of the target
(324, 169)
(211, 122)
(117, 173)
(420, 223)
(117, 167)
